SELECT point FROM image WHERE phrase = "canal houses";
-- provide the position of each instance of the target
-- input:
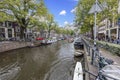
(110, 30)
(6, 30)
(107, 31)
(16, 30)
(10, 30)
(102, 30)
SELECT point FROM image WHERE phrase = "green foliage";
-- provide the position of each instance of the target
(23, 12)
(82, 16)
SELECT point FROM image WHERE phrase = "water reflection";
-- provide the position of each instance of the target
(52, 62)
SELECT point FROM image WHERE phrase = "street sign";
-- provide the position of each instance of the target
(95, 8)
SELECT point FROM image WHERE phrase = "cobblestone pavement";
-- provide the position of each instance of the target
(109, 55)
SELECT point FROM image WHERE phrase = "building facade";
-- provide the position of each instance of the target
(110, 31)
(107, 31)
(6, 30)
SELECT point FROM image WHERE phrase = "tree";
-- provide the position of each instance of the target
(82, 18)
(22, 11)
(82, 15)
(111, 12)
(50, 22)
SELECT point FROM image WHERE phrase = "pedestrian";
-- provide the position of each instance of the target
(112, 40)
(118, 40)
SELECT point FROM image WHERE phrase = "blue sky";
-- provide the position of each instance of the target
(61, 9)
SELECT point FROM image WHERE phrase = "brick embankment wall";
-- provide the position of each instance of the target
(13, 45)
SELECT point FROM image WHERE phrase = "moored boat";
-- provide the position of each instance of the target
(110, 72)
(78, 73)
(78, 44)
(48, 41)
(78, 53)
(70, 40)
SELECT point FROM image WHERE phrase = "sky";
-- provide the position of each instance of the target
(62, 10)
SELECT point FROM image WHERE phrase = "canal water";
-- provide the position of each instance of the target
(51, 62)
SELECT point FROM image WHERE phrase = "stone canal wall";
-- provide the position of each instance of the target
(6, 46)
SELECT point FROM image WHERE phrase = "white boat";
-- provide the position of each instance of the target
(78, 53)
(78, 73)
(51, 41)
(48, 41)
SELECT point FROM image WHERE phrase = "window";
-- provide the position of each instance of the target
(9, 32)
(2, 30)
(2, 33)
(1, 24)
(9, 24)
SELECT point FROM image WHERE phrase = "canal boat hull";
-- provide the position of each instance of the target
(78, 44)
(46, 42)
(78, 73)
(78, 53)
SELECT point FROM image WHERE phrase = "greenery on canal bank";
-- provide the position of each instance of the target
(113, 48)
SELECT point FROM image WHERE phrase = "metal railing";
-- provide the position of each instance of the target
(96, 60)
(92, 51)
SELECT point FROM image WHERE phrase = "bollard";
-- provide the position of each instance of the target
(89, 51)
(92, 62)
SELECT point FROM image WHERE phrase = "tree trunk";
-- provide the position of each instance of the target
(49, 30)
(42, 33)
(48, 33)
(92, 32)
(22, 29)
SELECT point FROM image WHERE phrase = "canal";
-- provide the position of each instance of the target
(51, 62)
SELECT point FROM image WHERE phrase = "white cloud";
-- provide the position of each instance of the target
(65, 22)
(73, 10)
(63, 12)
(60, 25)
(71, 23)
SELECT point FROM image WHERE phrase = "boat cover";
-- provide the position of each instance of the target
(111, 71)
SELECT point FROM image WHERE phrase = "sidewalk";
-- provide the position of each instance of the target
(90, 67)
(94, 69)
(109, 55)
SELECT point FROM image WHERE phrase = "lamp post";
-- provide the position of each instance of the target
(95, 9)
(118, 28)
(95, 16)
